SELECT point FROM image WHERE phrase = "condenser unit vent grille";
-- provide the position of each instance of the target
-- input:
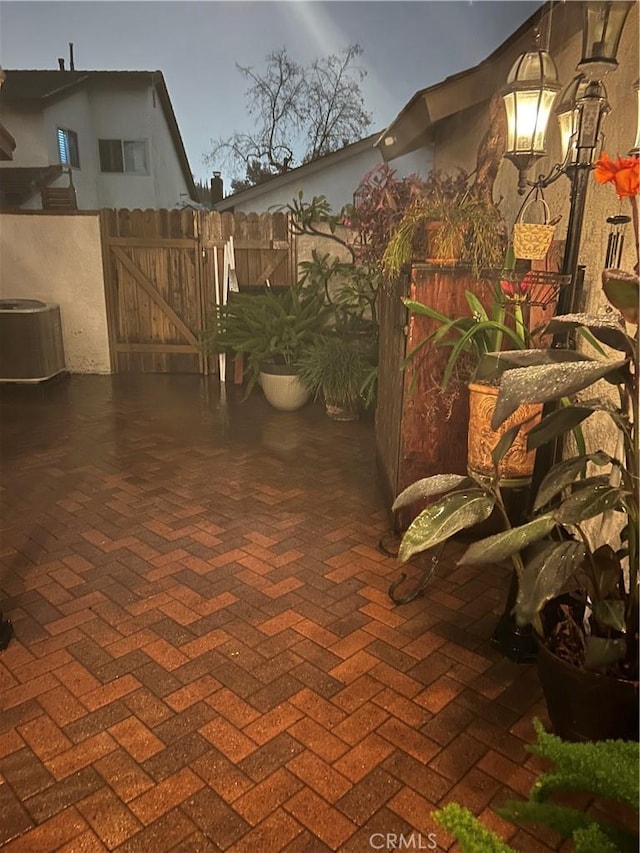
(31, 347)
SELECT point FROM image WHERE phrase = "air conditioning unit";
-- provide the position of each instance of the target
(31, 347)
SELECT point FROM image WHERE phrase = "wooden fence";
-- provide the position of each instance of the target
(160, 282)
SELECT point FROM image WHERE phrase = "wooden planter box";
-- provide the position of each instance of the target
(420, 432)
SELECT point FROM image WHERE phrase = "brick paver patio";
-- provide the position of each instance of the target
(205, 657)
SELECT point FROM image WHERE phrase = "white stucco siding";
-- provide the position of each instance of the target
(338, 182)
(74, 113)
(59, 259)
(170, 186)
(27, 128)
(124, 113)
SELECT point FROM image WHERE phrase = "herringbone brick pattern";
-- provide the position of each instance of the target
(205, 657)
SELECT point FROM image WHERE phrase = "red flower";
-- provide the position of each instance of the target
(624, 173)
(519, 290)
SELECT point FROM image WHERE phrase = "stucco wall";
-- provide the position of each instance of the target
(58, 259)
(458, 139)
(337, 182)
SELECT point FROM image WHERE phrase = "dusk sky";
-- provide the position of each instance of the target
(407, 46)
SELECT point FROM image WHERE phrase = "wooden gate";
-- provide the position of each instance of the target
(160, 281)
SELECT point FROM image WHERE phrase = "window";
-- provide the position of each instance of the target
(68, 148)
(123, 155)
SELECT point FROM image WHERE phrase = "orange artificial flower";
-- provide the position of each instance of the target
(623, 172)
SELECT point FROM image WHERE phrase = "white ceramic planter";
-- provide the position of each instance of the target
(283, 390)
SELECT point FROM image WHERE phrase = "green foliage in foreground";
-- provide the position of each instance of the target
(604, 769)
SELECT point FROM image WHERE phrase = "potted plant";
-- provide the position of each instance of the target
(332, 367)
(272, 330)
(470, 339)
(449, 222)
(589, 644)
(605, 771)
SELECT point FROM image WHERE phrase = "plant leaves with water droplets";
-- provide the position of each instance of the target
(555, 424)
(545, 577)
(604, 329)
(546, 382)
(564, 473)
(498, 547)
(600, 652)
(439, 522)
(610, 614)
(427, 487)
(588, 502)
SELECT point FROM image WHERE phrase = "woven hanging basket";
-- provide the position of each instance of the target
(531, 241)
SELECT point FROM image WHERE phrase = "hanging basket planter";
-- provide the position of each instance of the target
(531, 240)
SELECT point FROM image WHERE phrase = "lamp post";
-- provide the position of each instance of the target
(529, 95)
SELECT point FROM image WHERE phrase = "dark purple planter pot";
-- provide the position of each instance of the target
(585, 705)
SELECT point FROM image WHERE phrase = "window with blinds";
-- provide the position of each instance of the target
(68, 150)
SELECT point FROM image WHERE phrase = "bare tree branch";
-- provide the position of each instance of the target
(312, 110)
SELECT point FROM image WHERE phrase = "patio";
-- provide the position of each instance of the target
(205, 656)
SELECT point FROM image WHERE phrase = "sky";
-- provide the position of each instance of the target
(407, 46)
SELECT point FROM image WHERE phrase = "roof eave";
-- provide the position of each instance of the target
(299, 172)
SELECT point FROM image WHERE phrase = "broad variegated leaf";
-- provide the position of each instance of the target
(565, 473)
(600, 652)
(545, 577)
(547, 382)
(493, 365)
(498, 547)
(428, 487)
(610, 614)
(439, 522)
(588, 503)
(607, 330)
(556, 424)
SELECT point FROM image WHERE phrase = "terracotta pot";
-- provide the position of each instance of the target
(516, 467)
(432, 254)
(585, 705)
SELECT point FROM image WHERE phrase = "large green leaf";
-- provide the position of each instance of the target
(564, 473)
(605, 571)
(546, 382)
(588, 503)
(498, 547)
(600, 652)
(439, 522)
(545, 577)
(605, 329)
(428, 487)
(556, 424)
(610, 614)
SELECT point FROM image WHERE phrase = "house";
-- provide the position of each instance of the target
(335, 176)
(452, 120)
(112, 136)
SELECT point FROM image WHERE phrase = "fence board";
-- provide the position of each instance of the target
(159, 279)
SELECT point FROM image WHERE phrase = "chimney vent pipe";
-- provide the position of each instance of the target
(72, 66)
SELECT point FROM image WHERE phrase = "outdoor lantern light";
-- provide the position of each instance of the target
(568, 115)
(532, 86)
(636, 145)
(603, 24)
(582, 108)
